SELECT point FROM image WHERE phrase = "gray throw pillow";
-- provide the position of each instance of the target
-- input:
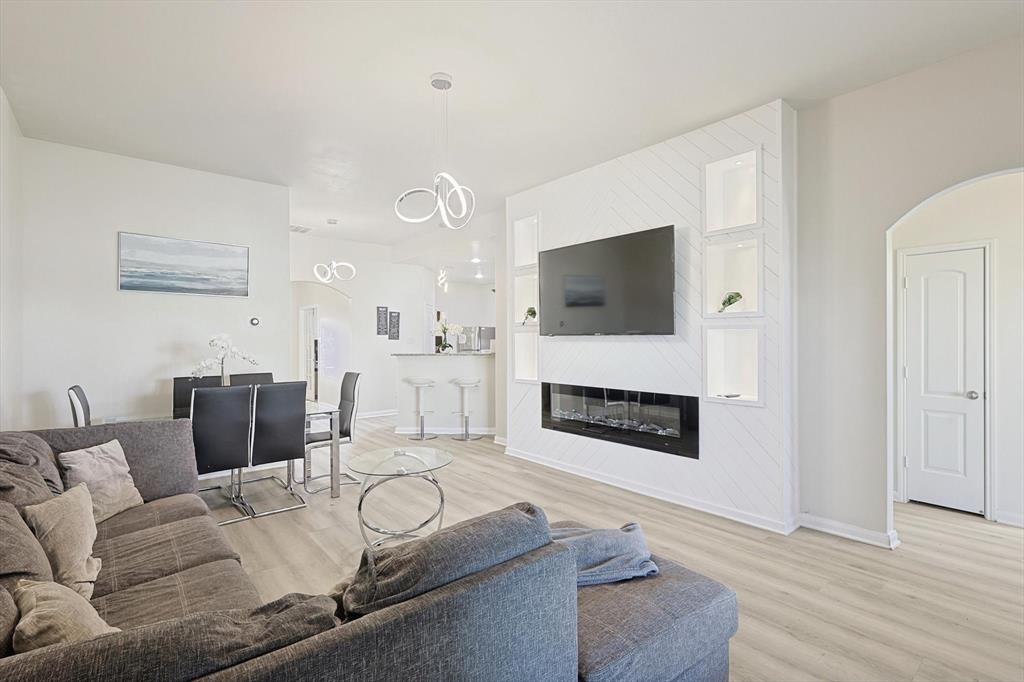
(104, 470)
(27, 448)
(21, 555)
(53, 614)
(66, 530)
(391, 575)
(8, 621)
(21, 485)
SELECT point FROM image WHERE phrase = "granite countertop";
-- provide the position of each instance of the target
(486, 354)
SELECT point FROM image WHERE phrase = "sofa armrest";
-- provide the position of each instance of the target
(160, 454)
(514, 621)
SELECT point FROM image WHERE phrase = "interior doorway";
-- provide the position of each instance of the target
(954, 297)
(322, 332)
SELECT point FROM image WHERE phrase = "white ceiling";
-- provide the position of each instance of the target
(332, 99)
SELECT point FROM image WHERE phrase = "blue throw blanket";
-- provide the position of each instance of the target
(607, 555)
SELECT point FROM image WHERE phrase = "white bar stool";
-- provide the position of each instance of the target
(420, 383)
(464, 386)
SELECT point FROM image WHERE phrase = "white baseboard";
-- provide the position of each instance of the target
(378, 413)
(500, 441)
(849, 531)
(444, 430)
(1010, 518)
(784, 528)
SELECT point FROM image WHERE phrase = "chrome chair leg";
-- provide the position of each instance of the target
(233, 492)
(307, 471)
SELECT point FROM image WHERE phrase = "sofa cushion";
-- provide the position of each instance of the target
(183, 648)
(28, 448)
(160, 453)
(8, 621)
(395, 574)
(155, 513)
(652, 628)
(22, 485)
(138, 557)
(53, 614)
(104, 470)
(65, 528)
(21, 555)
(216, 586)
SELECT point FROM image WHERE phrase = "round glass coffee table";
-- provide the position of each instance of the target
(388, 464)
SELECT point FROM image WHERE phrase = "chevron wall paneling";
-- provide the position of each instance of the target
(747, 465)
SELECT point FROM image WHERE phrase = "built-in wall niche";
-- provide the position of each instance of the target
(524, 241)
(732, 365)
(524, 356)
(732, 192)
(733, 278)
(525, 296)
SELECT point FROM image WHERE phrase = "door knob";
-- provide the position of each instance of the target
(972, 395)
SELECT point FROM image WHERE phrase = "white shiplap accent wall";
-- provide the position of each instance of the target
(747, 465)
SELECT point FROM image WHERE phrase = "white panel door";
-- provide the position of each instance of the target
(945, 372)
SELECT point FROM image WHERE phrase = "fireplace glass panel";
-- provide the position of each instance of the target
(655, 421)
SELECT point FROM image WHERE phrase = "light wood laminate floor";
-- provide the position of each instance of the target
(946, 605)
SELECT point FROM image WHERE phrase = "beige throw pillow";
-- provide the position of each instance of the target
(53, 614)
(104, 469)
(66, 530)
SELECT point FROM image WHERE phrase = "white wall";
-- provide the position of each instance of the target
(746, 468)
(407, 289)
(992, 208)
(10, 267)
(124, 347)
(468, 303)
(866, 158)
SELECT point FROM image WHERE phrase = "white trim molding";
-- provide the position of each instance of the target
(888, 540)
(661, 494)
(499, 440)
(1009, 518)
(378, 413)
(444, 430)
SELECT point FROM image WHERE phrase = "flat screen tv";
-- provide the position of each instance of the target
(615, 286)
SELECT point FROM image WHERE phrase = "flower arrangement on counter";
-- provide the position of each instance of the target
(444, 328)
(223, 350)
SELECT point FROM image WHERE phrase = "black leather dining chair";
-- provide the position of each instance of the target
(181, 395)
(278, 433)
(222, 437)
(348, 408)
(252, 379)
(79, 406)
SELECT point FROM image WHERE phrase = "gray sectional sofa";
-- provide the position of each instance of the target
(510, 611)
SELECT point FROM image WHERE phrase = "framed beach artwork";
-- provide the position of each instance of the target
(181, 266)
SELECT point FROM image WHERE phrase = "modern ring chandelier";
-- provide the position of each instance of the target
(452, 203)
(328, 273)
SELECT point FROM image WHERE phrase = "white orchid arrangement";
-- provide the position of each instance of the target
(444, 329)
(223, 350)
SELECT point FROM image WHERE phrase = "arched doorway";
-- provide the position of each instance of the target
(955, 275)
(322, 337)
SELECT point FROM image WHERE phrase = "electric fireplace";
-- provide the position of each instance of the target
(655, 421)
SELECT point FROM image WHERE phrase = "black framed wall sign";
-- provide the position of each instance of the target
(382, 320)
(393, 325)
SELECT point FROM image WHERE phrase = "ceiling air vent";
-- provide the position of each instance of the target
(300, 229)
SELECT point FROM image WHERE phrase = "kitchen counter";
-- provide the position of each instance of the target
(443, 400)
(445, 355)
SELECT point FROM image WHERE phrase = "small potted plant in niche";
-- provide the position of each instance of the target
(223, 350)
(531, 314)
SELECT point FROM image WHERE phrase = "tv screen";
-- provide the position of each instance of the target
(619, 285)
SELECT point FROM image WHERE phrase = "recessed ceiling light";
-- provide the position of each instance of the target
(479, 274)
(739, 246)
(474, 260)
(739, 163)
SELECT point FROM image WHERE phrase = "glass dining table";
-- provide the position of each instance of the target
(315, 410)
